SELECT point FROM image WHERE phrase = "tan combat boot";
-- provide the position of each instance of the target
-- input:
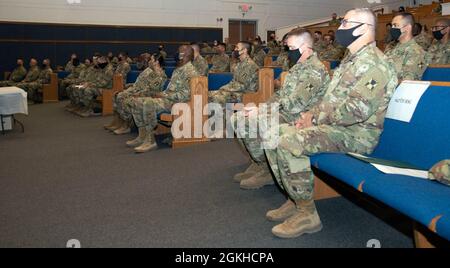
(306, 220)
(148, 145)
(125, 128)
(114, 124)
(248, 173)
(286, 211)
(76, 108)
(139, 140)
(258, 180)
(86, 112)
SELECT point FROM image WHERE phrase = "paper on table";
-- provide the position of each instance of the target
(402, 171)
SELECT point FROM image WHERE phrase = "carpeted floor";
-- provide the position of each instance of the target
(67, 178)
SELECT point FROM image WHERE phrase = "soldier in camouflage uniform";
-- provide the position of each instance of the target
(33, 87)
(162, 52)
(334, 20)
(145, 110)
(441, 172)
(114, 61)
(258, 54)
(273, 45)
(245, 78)
(407, 56)
(220, 62)
(303, 88)
(319, 44)
(421, 36)
(283, 57)
(16, 76)
(90, 91)
(349, 119)
(439, 52)
(123, 67)
(332, 52)
(69, 66)
(200, 64)
(149, 83)
(71, 78)
(72, 91)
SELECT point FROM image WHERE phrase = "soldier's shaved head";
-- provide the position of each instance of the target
(302, 35)
(244, 45)
(364, 15)
(406, 19)
(186, 54)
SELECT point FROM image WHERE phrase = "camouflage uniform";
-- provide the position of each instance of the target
(17, 76)
(123, 68)
(349, 119)
(320, 46)
(69, 67)
(103, 80)
(35, 86)
(245, 79)
(145, 110)
(439, 53)
(201, 65)
(408, 59)
(331, 53)
(258, 57)
(441, 172)
(163, 54)
(147, 84)
(335, 22)
(283, 61)
(86, 75)
(423, 40)
(221, 64)
(71, 79)
(274, 47)
(303, 88)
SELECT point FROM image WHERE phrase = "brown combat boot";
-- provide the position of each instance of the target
(139, 140)
(148, 145)
(306, 220)
(114, 124)
(125, 128)
(258, 180)
(87, 112)
(287, 210)
(248, 173)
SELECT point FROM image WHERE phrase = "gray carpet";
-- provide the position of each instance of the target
(67, 178)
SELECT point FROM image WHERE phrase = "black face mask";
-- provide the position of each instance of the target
(286, 48)
(438, 35)
(236, 54)
(345, 37)
(294, 56)
(395, 33)
(44, 66)
(102, 65)
(76, 62)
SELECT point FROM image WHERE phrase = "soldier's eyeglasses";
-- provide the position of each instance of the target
(438, 28)
(344, 22)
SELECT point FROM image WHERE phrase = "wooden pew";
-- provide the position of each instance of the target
(50, 91)
(268, 61)
(199, 87)
(107, 95)
(265, 90)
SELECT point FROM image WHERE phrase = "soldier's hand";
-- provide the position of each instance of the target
(305, 121)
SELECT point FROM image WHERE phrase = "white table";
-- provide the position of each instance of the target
(13, 100)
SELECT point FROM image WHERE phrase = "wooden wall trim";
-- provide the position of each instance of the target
(108, 26)
(92, 42)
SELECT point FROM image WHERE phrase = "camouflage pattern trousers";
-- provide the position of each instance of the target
(145, 111)
(74, 92)
(7, 83)
(88, 95)
(64, 85)
(123, 103)
(290, 162)
(32, 88)
(224, 96)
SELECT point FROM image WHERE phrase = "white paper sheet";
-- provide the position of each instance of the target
(402, 171)
(404, 102)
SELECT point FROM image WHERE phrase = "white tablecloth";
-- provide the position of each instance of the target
(13, 100)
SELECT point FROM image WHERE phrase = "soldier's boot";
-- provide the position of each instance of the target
(114, 124)
(125, 128)
(139, 140)
(258, 180)
(87, 112)
(148, 145)
(69, 107)
(306, 220)
(79, 108)
(286, 211)
(248, 173)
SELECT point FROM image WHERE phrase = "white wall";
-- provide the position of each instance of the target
(271, 14)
